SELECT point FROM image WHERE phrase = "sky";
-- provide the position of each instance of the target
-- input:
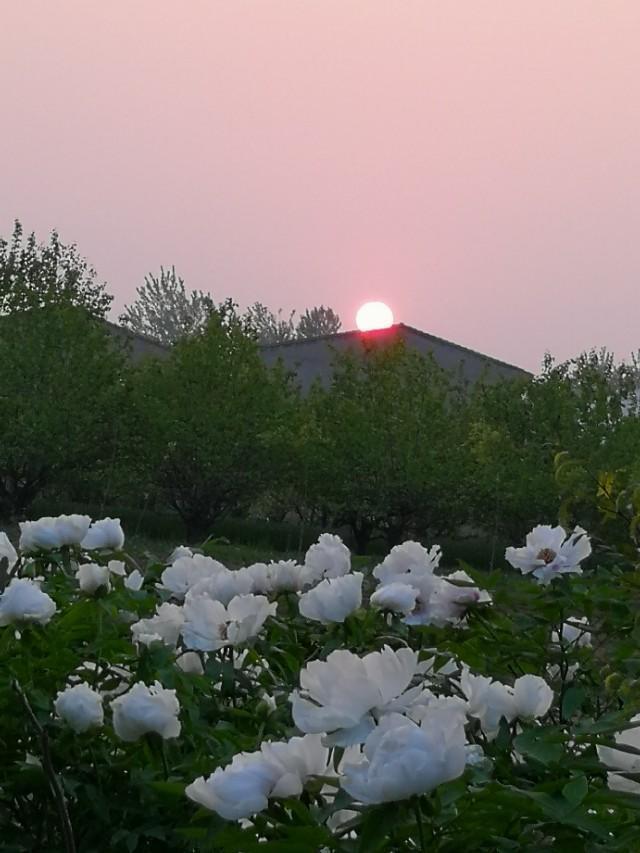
(473, 163)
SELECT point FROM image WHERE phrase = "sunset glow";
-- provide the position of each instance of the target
(374, 315)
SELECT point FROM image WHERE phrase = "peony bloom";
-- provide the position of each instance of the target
(186, 572)
(117, 568)
(259, 574)
(143, 710)
(623, 762)
(490, 701)
(332, 600)
(191, 663)
(550, 552)
(209, 625)
(164, 627)
(7, 551)
(179, 551)
(246, 614)
(24, 601)
(402, 758)
(278, 770)
(288, 576)
(47, 533)
(410, 556)
(224, 585)
(106, 533)
(92, 577)
(80, 707)
(397, 597)
(532, 697)
(345, 694)
(573, 633)
(328, 558)
(134, 581)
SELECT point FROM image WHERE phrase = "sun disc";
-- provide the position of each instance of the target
(374, 315)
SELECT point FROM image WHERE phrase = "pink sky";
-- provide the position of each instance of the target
(475, 164)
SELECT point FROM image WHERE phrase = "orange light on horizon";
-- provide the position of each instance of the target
(374, 315)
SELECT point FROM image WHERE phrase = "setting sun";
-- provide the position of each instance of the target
(374, 315)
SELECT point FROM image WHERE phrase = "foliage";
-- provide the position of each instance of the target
(36, 275)
(165, 311)
(384, 449)
(65, 413)
(212, 419)
(538, 783)
(273, 328)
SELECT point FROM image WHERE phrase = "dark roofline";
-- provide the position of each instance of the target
(147, 338)
(397, 326)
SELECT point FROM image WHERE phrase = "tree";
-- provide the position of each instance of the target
(164, 310)
(318, 321)
(267, 327)
(386, 452)
(61, 386)
(212, 417)
(35, 275)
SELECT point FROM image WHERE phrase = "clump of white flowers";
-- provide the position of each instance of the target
(146, 710)
(329, 557)
(491, 701)
(209, 625)
(345, 694)
(407, 584)
(92, 577)
(80, 707)
(50, 534)
(550, 552)
(245, 786)
(402, 758)
(24, 601)
(104, 534)
(332, 600)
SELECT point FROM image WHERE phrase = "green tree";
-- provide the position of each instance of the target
(318, 321)
(62, 387)
(164, 310)
(212, 417)
(386, 453)
(35, 275)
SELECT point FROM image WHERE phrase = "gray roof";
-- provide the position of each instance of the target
(312, 359)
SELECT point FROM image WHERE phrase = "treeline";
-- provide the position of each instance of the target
(395, 447)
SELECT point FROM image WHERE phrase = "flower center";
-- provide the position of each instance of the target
(547, 555)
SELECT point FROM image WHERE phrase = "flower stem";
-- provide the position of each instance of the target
(418, 813)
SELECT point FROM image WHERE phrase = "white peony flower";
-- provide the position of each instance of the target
(24, 601)
(191, 663)
(397, 597)
(278, 770)
(532, 697)
(7, 551)
(259, 574)
(288, 576)
(490, 701)
(410, 556)
(106, 533)
(134, 581)
(185, 572)
(179, 551)
(345, 694)
(143, 710)
(246, 614)
(573, 633)
(92, 577)
(332, 600)
(550, 552)
(623, 762)
(209, 625)
(328, 558)
(164, 627)
(402, 758)
(224, 585)
(49, 533)
(80, 707)
(117, 567)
